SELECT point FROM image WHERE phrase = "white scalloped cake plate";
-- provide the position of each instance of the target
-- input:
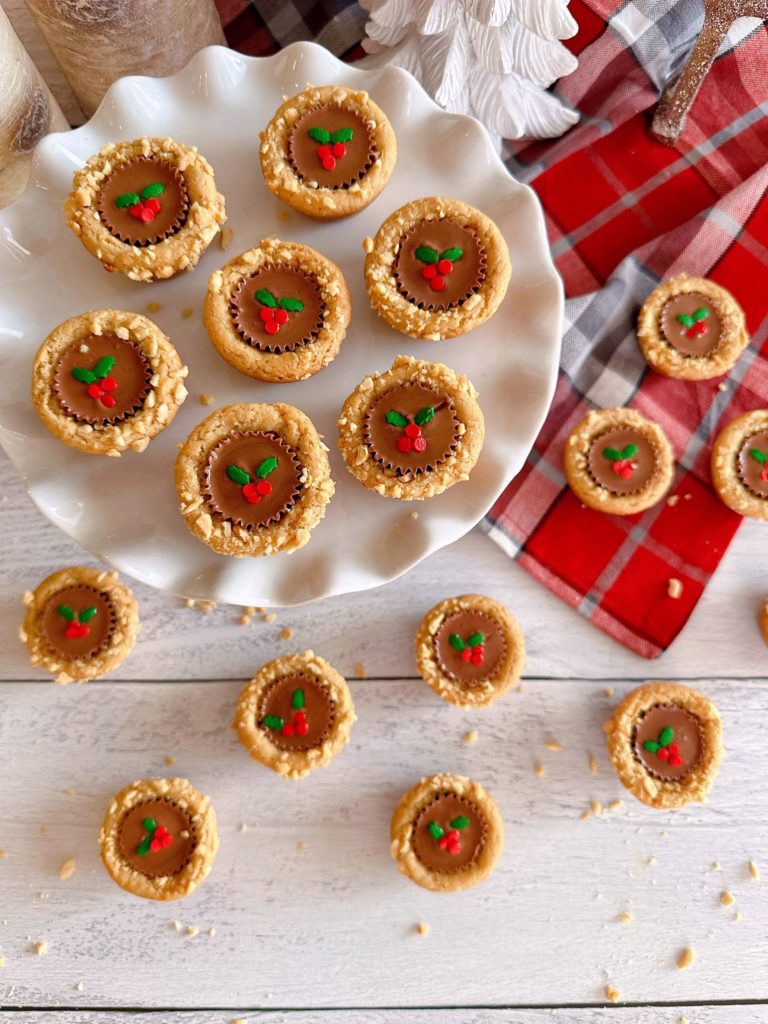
(124, 511)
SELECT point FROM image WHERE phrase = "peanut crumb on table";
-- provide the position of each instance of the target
(206, 399)
(187, 312)
(176, 925)
(2, 961)
(715, 865)
(153, 307)
(651, 860)
(674, 588)
(79, 986)
(206, 606)
(414, 515)
(673, 499)
(244, 620)
(243, 827)
(43, 895)
(360, 671)
(225, 238)
(212, 932)
(553, 745)
(686, 959)
(286, 634)
(423, 928)
(625, 917)
(592, 764)
(737, 916)
(301, 846)
(727, 898)
(608, 691)
(584, 815)
(3, 853)
(683, 1020)
(239, 1020)
(67, 869)
(283, 216)
(69, 791)
(192, 931)
(612, 994)
(41, 948)
(270, 617)
(754, 871)
(470, 737)
(168, 759)
(596, 807)
(615, 805)
(539, 770)
(189, 602)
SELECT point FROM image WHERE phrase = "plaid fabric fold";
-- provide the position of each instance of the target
(623, 213)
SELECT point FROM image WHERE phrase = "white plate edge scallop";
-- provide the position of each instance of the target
(212, 76)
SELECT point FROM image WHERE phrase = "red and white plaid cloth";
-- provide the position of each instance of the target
(623, 213)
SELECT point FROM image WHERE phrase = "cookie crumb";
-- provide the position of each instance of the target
(592, 764)
(67, 869)
(79, 986)
(625, 917)
(243, 827)
(683, 1020)
(43, 895)
(608, 691)
(41, 948)
(360, 671)
(470, 737)
(422, 928)
(189, 602)
(69, 791)
(3, 853)
(596, 807)
(615, 805)
(674, 588)
(727, 898)
(212, 932)
(225, 238)
(584, 815)
(286, 634)
(153, 307)
(187, 312)
(168, 759)
(715, 865)
(283, 216)
(244, 620)
(686, 959)
(301, 846)
(612, 994)
(413, 515)
(553, 745)
(206, 399)
(673, 499)
(270, 617)
(2, 961)
(737, 916)
(539, 770)
(206, 606)
(177, 925)
(192, 931)
(754, 871)
(651, 860)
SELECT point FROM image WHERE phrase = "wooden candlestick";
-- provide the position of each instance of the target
(97, 41)
(27, 112)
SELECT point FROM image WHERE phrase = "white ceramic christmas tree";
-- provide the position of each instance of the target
(491, 58)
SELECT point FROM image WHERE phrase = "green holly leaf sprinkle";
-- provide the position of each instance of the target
(319, 135)
(701, 314)
(456, 642)
(342, 135)
(151, 191)
(86, 376)
(461, 822)
(685, 320)
(66, 612)
(666, 736)
(274, 722)
(266, 298)
(612, 454)
(149, 824)
(757, 455)
(126, 199)
(87, 614)
(395, 419)
(292, 305)
(435, 830)
(297, 700)
(144, 847)
(426, 254)
(424, 415)
(238, 475)
(475, 640)
(451, 254)
(651, 746)
(629, 451)
(266, 467)
(104, 366)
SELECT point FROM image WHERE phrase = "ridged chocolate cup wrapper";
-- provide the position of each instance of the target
(251, 447)
(244, 308)
(447, 806)
(469, 621)
(128, 177)
(315, 692)
(464, 279)
(348, 169)
(161, 863)
(751, 469)
(688, 735)
(72, 393)
(78, 596)
(407, 399)
(705, 338)
(645, 461)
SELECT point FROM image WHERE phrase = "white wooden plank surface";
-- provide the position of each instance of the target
(334, 924)
(618, 1015)
(376, 628)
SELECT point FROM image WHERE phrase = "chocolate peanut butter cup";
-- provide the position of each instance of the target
(739, 464)
(412, 431)
(617, 461)
(253, 479)
(470, 650)
(436, 268)
(446, 833)
(159, 838)
(107, 381)
(80, 624)
(691, 328)
(328, 152)
(295, 714)
(147, 208)
(278, 312)
(664, 740)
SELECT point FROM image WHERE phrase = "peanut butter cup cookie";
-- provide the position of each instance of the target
(295, 715)
(691, 328)
(146, 208)
(80, 624)
(470, 650)
(740, 464)
(107, 381)
(617, 461)
(278, 312)
(437, 268)
(447, 833)
(665, 743)
(253, 479)
(159, 838)
(328, 152)
(412, 431)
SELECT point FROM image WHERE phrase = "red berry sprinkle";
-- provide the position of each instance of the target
(72, 631)
(251, 493)
(404, 443)
(466, 654)
(109, 384)
(288, 729)
(281, 316)
(263, 487)
(324, 151)
(444, 266)
(302, 728)
(95, 390)
(437, 283)
(329, 162)
(265, 313)
(339, 150)
(413, 430)
(152, 204)
(429, 271)
(271, 327)
(109, 401)
(83, 629)
(420, 444)
(663, 754)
